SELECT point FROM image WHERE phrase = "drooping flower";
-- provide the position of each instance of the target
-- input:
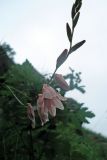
(61, 82)
(31, 114)
(42, 110)
(47, 102)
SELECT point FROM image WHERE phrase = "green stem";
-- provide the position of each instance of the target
(71, 40)
(18, 91)
(52, 76)
(5, 157)
(15, 95)
(31, 156)
(16, 148)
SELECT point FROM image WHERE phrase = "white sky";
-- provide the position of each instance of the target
(36, 30)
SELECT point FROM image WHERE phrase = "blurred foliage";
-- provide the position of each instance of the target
(6, 58)
(62, 137)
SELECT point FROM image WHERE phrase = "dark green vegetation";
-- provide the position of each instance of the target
(62, 138)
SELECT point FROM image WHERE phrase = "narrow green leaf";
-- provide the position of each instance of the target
(89, 114)
(76, 19)
(69, 33)
(78, 7)
(76, 46)
(61, 59)
(81, 89)
(84, 108)
(73, 11)
(86, 121)
(77, 2)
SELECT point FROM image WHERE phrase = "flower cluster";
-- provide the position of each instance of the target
(47, 102)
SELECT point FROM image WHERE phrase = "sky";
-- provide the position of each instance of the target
(36, 29)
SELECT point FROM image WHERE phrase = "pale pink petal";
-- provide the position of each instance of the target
(61, 82)
(48, 92)
(52, 111)
(31, 114)
(43, 117)
(57, 103)
(33, 123)
(30, 111)
(52, 91)
(42, 110)
(47, 102)
(50, 107)
(40, 103)
(61, 97)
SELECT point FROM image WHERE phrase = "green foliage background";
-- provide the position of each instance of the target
(62, 137)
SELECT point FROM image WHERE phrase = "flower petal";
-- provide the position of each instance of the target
(52, 111)
(48, 92)
(42, 110)
(31, 114)
(61, 82)
(47, 102)
(57, 103)
(61, 97)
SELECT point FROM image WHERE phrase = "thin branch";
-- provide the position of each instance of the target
(18, 91)
(15, 96)
(31, 156)
(52, 76)
(4, 149)
(16, 147)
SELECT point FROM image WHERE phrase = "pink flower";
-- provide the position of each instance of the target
(31, 114)
(47, 102)
(61, 82)
(42, 109)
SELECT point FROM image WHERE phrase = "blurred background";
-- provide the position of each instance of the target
(37, 32)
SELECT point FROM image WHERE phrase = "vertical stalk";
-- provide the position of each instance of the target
(31, 155)
(15, 154)
(52, 76)
(4, 149)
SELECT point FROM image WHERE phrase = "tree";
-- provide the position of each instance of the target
(6, 58)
